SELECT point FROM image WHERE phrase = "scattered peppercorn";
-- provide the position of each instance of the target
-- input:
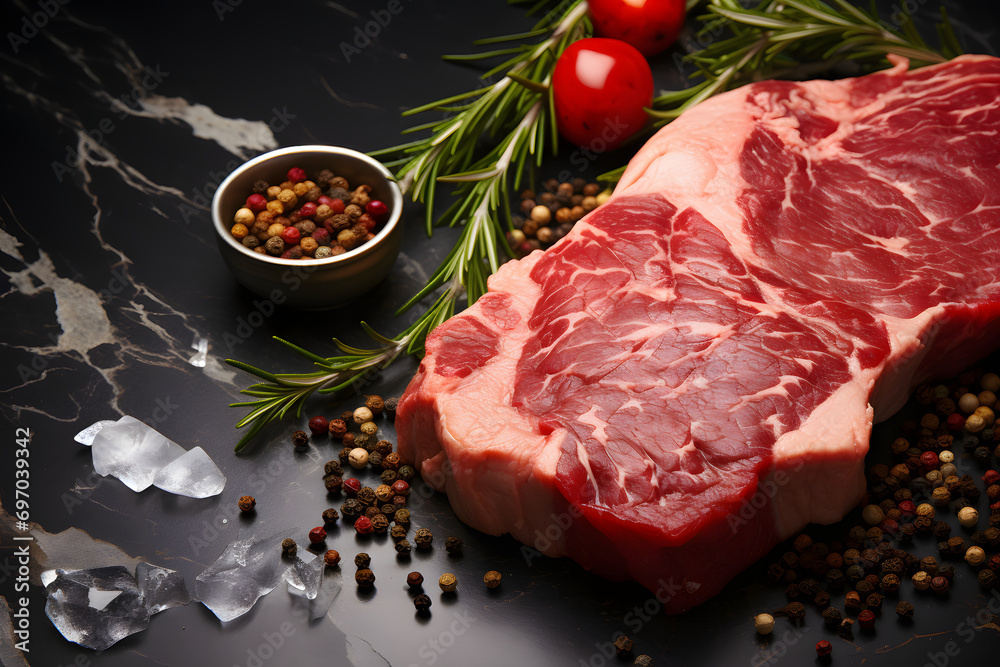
(300, 439)
(318, 425)
(492, 579)
(823, 648)
(317, 535)
(333, 483)
(452, 545)
(403, 547)
(423, 538)
(332, 558)
(643, 661)
(422, 603)
(363, 525)
(623, 647)
(288, 548)
(448, 582)
(246, 503)
(365, 578)
(337, 428)
(375, 404)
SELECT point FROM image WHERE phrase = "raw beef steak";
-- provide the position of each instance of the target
(692, 374)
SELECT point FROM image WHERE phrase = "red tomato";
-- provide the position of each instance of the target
(649, 25)
(599, 87)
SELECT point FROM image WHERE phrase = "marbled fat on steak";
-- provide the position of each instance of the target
(692, 374)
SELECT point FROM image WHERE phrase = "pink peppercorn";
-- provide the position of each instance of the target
(991, 477)
(338, 206)
(377, 209)
(290, 236)
(351, 487)
(955, 421)
(367, 221)
(889, 526)
(907, 507)
(363, 525)
(317, 535)
(929, 460)
(823, 648)
(319, 425)
(296, 174)
(307, 210)
(400, 487)
(866, 619)
(256, 203)
(323, 199)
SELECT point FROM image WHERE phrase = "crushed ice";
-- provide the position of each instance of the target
(142, 457)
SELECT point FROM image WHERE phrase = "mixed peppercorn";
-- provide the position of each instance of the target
(548, 215)
(907, 505)
(308, 219)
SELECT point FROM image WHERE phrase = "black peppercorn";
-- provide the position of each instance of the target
(941, 530)
(375, 404)
(398, 501)
(835, 579)
(423, 538)
(372, 512)
(623, 647)
(864, 588)
(789, 559)
(288, 548)
(643, 661)
(403, 547)
(362, 560)
(330, 517)
(808, 588)
(407, 472)
(978, 539)
(333, 468)
(832, 616)
(333, 483)
(389, 477)
(992, 535)
(345, 455)
(383, 447)
(389, 407)
(299, 438)
(852, 601)
(366, 496)
(775, 572)
(956, 546)
(821, 600)
(987, 579)
(874, 601)
(380, 524)
(397, 532)
(415, 581)
(453, 545)
(795, 611)
(422, 602)
(375, 461)
(351, 509)
(981, 455)
(846, 628)
(946, 571)
(402, 516)
(855, 573)
(365, 578)
(388, 509)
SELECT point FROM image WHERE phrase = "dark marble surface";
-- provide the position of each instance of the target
(119, 121)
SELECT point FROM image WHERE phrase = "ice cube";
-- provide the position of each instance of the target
(96, 608)
(192, 474)
(246, 570)
(330, 585)
(133, 452)
(87, 435)
(161, 588)
(304, 576)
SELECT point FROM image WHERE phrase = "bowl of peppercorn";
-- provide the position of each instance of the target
(312, 227)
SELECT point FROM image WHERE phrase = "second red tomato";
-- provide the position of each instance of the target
(600, 88)
(649, 25)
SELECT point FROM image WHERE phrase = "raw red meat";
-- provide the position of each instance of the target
(691, 375)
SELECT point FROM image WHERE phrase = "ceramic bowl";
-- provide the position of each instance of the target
(310, 284)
